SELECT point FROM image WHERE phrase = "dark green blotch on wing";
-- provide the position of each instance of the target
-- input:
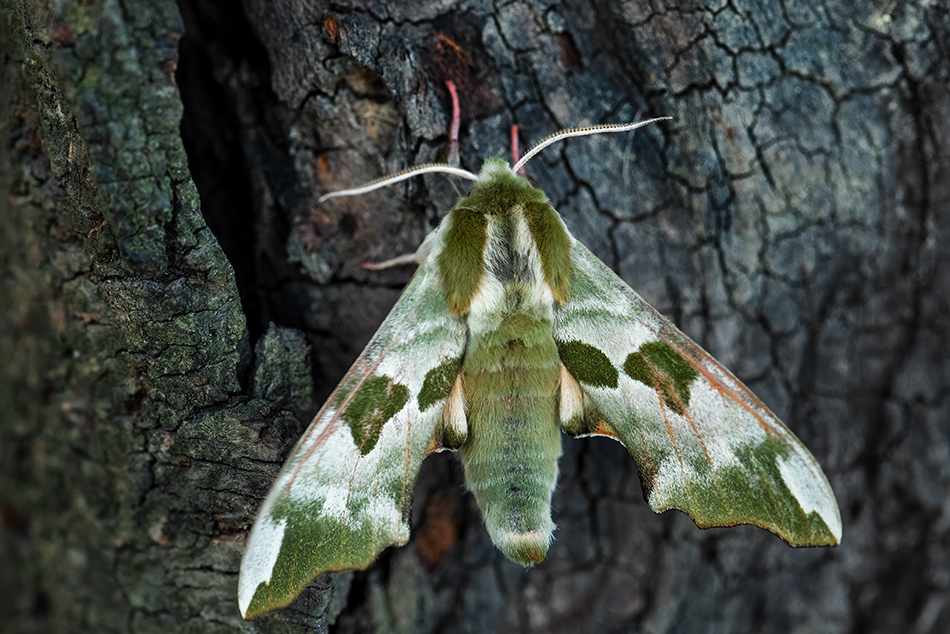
(376, 401)
(587, 364)
(314, 543)
(751, 490)
(657, 365)
(438, 383)
(754, 491)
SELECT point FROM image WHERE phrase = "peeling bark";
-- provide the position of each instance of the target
(791, 219)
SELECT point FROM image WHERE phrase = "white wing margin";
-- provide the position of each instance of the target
(703, 443)
(344, 494)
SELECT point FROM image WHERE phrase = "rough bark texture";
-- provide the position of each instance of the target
(792, 218)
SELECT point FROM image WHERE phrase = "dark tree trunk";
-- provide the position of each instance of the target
(792, 218)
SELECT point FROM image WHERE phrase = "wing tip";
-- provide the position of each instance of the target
(253, 604)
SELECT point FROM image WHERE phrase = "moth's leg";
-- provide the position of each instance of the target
(399, 260)
(405, 258)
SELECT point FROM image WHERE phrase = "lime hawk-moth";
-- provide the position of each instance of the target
(510, 332)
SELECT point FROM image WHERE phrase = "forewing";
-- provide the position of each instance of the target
(703, 443)
(344, 494)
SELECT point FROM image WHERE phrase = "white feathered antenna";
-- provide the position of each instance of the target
(585, 131)
(444, 168)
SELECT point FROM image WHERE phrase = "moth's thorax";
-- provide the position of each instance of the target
(504, 250)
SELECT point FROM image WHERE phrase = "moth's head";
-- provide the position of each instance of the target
(499, 188)
(493, 168)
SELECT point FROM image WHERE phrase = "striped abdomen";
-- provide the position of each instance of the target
(514, 438)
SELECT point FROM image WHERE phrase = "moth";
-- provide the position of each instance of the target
(511, 332)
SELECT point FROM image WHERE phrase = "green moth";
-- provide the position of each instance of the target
(509, 333)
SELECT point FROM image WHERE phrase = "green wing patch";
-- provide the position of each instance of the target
(753, 490)
(377, 400)
(587, 364)
(656, 364)
(438, 383)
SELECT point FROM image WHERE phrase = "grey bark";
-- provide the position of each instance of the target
(161, 284)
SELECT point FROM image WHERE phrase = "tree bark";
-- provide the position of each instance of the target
(174, 295)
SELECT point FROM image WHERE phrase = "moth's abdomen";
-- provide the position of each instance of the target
(514, 441)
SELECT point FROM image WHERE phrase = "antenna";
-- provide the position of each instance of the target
(586, 131)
